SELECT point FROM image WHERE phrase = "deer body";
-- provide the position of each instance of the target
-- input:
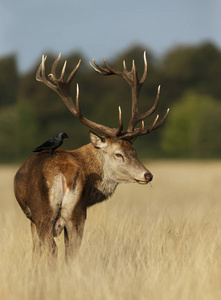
(62, 188)
(55, 192)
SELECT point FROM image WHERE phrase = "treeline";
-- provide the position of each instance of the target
(190, 79)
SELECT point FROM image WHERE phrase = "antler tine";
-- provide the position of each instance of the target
(111, 71)
(104, 71)
(93, 67)
(157, 125)
(145, 68)
(154, 123)
(120, 128)
(124, 66)
(99, 69)
(78, 109)
(60, 86)
(40, 74)
(63, 71)
(134, 81)
(132, 135)
(153, 108)
(52, 75)
(136, 117)
(71, 76)
(41, 70)
(133, 67)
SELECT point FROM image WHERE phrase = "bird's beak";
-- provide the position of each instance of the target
(66, 136)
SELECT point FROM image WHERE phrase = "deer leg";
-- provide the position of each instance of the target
(36, 244)
(47, 243)
(73, 233)
(51, 153)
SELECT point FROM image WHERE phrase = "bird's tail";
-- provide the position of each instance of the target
(38, 149)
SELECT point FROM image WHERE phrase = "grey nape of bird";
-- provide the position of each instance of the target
(52, 144)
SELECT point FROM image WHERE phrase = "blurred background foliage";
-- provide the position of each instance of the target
(190, 79)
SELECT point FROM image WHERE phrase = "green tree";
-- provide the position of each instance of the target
(9, 80)
(182, 135)
(27, 127)
(19, 131)
(191, 67)
(9, 134)
(208, 138)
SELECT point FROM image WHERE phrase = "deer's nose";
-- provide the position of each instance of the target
(148, 177)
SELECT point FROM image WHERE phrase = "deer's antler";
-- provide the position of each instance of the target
(62, 88)
(135, 84)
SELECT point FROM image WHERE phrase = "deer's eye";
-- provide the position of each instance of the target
(118, 155)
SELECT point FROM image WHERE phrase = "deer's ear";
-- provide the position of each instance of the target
(97, 141)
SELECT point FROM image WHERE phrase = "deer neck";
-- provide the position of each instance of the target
(99, 182)
(107, 185)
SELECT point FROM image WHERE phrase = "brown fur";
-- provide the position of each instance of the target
(54, 193)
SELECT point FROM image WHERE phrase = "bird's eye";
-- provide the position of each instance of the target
(118, 155)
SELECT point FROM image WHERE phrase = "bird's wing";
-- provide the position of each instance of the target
(49, 143)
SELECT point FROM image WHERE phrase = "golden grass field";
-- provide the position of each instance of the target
(159, 241)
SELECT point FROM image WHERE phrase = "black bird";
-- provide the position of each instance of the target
(52, 144)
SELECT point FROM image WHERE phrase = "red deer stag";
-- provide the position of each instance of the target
(54, 193)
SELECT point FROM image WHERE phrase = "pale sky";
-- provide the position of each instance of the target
(98, 28)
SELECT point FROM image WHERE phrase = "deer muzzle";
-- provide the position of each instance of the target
(147, 177)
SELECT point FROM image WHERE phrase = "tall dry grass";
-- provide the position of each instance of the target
(147, 242)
